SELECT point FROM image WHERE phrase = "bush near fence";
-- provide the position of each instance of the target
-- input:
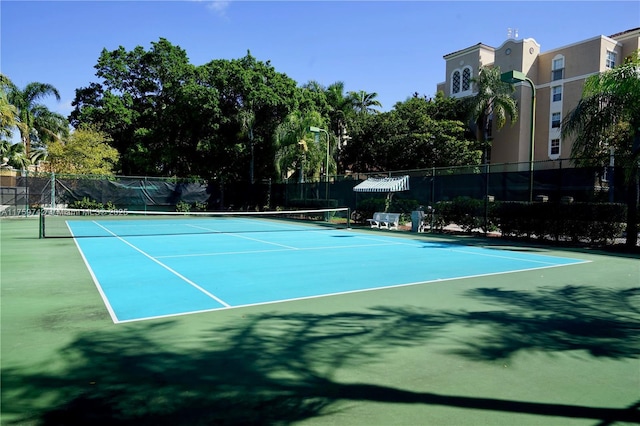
(458, 196)
(467, 213)
(592, 223)
(307, 203)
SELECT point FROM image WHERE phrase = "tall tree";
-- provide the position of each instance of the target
(606, 119)
(153, 106)
(254, 100)
(492, 103)
(364, 102)
(14, 154)
(313, 97)
(296, 150)
(341, 115)
(407, 137)
(85, 151)
(8, 112)
(48, 126)
(38, 123)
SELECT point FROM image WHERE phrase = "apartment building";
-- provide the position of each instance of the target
(558, 76)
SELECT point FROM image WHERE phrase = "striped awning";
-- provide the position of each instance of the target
(388, 184)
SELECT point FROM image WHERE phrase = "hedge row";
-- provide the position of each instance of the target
(596, 223)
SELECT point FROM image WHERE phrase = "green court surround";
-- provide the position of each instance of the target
(557, 346)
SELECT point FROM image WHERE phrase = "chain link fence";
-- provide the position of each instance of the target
(558, 181)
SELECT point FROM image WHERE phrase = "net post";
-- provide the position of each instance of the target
(41, 224)
(348, 217)
(26, 193)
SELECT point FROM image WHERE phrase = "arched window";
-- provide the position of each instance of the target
(455, 82)
(466, 79)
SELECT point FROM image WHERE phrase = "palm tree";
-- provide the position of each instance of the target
(48, 126)
(8, 112)
(492, 103)
(341, 111)
(607, 118)
(340, 106)
(14, 155)
(38, 123)
(364, 103)
(8, 120)
(294, 147)
(247, 119)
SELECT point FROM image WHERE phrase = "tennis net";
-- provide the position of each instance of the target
(66, 222)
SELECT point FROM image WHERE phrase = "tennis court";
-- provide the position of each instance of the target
(315, 325)
(151, 267)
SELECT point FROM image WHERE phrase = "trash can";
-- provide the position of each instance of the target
(417, 216)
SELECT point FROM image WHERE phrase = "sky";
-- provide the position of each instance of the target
(392, 48)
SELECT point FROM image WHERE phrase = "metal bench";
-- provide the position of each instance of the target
(385, 220)
(378, 219)
(391, 221)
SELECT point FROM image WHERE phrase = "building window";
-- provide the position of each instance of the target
(611, 59)
(554, 147)
(555, 120)
(466, 79)
(557, 70)
(557, 93)
(461, 81)
(455, 82)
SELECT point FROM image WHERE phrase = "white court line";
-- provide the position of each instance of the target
(509, 257)
(112, 313)
(245, 237)
(171, 256)
(451, 248)
(362, 290)
(383, 241)
(176, 273)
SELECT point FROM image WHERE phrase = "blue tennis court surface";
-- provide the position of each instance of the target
(179, 267)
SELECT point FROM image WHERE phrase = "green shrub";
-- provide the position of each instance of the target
(511, 219)
(595, 223)
(183, 207)
(314, 203)
(468, 213)
(404, 207)
(200, 207)
(88, 204)
(366, 208)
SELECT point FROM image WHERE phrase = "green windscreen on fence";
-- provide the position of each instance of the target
(427, 187)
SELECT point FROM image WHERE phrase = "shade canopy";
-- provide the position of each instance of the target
(388, 184)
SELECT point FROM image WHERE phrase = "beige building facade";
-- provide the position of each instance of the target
(558, 76)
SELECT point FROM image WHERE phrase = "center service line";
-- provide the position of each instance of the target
(176, 273)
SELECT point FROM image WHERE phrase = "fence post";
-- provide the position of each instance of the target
(26, 192)
(53, 190)
(433, 187)
(144, 194)
(486, 199)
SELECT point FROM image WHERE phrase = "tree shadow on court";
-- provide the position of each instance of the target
(602, 322)
(279, 368)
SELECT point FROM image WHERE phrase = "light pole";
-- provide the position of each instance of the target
(315, 129)
(519, 77)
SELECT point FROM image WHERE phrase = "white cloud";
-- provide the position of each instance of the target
(219, 7)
